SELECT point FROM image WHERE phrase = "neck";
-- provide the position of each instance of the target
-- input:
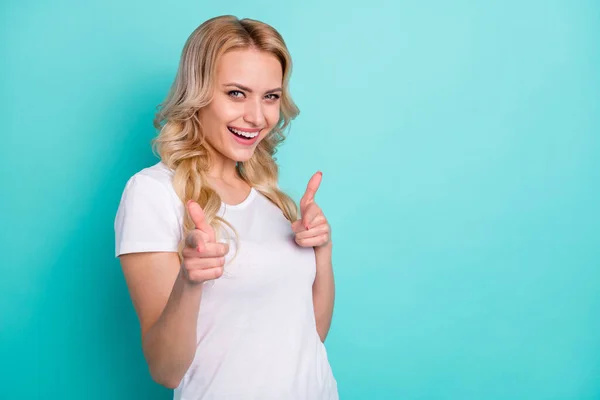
(222, 168)
(222, 172)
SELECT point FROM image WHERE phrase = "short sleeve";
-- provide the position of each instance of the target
(146, 219)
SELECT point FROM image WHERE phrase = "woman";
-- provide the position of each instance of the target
(233, 285)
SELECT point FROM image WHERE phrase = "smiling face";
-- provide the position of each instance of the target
(245, 105)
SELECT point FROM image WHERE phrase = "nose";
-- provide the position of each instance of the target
(253, 113)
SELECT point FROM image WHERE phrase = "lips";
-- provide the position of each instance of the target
(243, 136)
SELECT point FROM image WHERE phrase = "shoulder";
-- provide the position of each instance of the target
(156, 176)
(154, 181)
(151, 188)
(149, 214)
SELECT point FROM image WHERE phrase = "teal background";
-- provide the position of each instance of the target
(460, 148)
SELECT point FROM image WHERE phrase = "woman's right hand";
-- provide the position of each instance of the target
(203, 257)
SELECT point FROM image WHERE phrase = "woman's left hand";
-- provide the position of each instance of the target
(312, 230)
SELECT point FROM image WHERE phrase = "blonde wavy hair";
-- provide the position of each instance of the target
(180, 143)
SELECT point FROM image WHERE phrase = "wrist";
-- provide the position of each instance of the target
(326, 248)
(187, 283)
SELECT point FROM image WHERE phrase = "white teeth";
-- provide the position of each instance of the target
(245, 134)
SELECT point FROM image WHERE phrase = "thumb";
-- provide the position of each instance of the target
(197, 214)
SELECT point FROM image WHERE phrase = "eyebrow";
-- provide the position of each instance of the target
(247, 89)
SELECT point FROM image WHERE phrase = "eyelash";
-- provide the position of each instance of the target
(231, 93)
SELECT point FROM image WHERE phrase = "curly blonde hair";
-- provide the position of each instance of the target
(180, 142)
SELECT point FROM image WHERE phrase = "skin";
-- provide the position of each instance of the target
(167, 295)
(235, 107)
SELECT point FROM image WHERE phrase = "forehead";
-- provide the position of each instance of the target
(249, 67)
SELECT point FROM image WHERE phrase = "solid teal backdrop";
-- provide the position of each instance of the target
(460, 147)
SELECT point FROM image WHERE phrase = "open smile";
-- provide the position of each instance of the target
(244, 135)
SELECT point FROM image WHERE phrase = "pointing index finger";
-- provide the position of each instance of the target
(199, 219)
(312, 187)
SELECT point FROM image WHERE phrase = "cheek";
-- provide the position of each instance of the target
(223, 112)
(230, 111)
(272, 114)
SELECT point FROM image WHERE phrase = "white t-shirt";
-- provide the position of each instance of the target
(256, 331)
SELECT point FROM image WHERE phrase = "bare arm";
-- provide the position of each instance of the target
(313, 230)
(167, 307)
(324, 290)
(166, 297)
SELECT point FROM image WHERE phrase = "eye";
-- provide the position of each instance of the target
(273, 96)
(236, 94)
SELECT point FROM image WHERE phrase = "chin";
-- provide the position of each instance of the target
(240, 152)
(242, 156)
